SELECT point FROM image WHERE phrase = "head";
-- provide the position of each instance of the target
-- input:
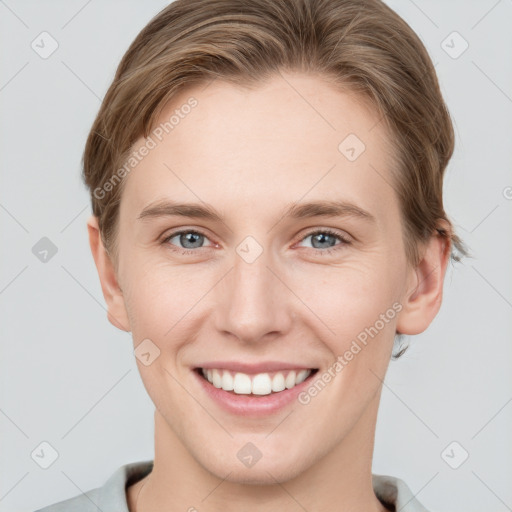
(217, 164)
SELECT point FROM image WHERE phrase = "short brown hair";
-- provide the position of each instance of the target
(359, 44)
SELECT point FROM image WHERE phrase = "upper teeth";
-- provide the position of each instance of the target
(260, 384)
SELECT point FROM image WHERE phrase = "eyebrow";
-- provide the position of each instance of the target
(167, 208)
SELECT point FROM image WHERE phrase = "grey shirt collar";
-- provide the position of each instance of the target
(111, 496)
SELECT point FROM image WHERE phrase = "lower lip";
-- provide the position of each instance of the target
(252, 405)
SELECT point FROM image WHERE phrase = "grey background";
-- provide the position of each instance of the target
(69, 378)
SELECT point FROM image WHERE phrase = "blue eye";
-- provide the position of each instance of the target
(189, 238)
(328, 237)
(325, 239)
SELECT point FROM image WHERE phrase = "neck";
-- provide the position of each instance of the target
(340, 480)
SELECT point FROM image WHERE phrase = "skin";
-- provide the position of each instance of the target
(249, 154)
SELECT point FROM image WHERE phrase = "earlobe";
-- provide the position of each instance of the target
(116, 309)
(423, 299)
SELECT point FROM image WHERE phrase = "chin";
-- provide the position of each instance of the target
(263, 472)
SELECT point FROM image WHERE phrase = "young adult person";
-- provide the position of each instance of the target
(266, 183)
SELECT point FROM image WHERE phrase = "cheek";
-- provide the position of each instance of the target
(160, 295)
(345, 300)
(338, 301)
(359, 308)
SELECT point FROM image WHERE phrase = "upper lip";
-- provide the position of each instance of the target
(253, 368)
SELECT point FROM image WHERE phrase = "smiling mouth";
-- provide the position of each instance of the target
(259, 384)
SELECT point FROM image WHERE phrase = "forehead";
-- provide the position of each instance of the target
(247, 150)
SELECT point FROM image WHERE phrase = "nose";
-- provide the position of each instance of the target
(253, 303)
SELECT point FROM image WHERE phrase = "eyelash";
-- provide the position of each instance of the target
(344, 241)
(328, 250)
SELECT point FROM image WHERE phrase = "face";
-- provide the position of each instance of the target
(245, 278)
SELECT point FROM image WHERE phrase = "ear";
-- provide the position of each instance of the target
(424, 295)
(116, 309)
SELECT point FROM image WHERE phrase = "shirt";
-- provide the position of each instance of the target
(111, 496)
